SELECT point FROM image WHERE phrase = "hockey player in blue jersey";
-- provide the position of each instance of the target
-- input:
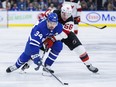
(39, 33)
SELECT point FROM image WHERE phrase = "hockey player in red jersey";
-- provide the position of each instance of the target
(65, 17)
(76, 11)
(68, 36)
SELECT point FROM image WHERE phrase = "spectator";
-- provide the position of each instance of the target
(28, 3)
(22, 5)
(92, 8)
(84, 6)
(36, 4)
(106, 4)
(0, 4)
(39, 8)
(12, 2)
(55, 2)
(15, 8)
(6, 4)
(45, 7)
(110, 6)
(91, 5)
(42, 3)
(52, 7)
(114, 5)
(31, 7)
(49, 2)
(60, 2)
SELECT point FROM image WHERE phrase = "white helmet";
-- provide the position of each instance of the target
(66, 8)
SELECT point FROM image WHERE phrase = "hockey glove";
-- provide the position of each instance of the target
(49, 42)
(41, 16)
(77, 20)
(76, 32)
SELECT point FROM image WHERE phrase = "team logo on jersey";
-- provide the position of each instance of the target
(74, 41)
(93, 17)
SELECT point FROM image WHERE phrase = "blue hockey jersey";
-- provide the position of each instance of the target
(41, 31)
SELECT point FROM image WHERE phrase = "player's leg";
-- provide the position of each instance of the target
(85, 58)
(28, 64)
(24, 57)
(53, 54)
(20, 61)
(74, 44)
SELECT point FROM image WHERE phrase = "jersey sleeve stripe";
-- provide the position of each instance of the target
(33, 40)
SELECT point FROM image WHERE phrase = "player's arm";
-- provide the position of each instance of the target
(67, 28)
(59, 35)
(50, 40)
(45, 14)
(77, 19)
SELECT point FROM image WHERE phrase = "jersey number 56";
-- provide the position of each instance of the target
(68, 26)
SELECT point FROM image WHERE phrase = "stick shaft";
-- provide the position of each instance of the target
(53, 75)
(94, 25)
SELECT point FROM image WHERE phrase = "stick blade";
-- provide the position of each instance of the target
(65, 83)
(103, 27)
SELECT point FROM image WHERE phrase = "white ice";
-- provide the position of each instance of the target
(100, 45)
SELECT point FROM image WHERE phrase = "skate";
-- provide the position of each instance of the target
(38, 65)
(92, 68)
(11, 69)
(47, 71)
(26, 66)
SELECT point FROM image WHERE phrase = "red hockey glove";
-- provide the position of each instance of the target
(76, 32)
(42, 15)
(77, 19)
(47, 12)
(49, 42)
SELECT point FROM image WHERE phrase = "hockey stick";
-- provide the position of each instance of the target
(45, 50)
(48, 70)
(54, 76)
(94, 25)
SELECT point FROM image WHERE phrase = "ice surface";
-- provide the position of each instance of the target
(100, 45)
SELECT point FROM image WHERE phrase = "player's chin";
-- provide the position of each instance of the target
(51, 28)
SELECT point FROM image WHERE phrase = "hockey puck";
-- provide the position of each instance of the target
(65, 83)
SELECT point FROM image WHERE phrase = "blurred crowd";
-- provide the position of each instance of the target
(93, 5)
(42, 5)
